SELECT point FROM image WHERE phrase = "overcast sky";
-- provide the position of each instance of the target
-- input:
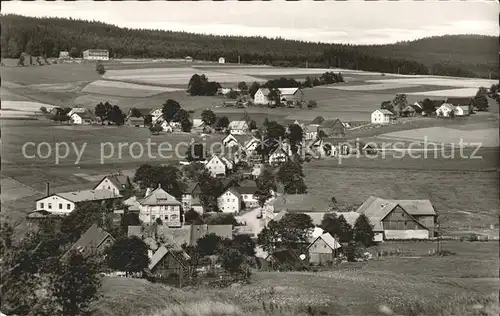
(352, 21)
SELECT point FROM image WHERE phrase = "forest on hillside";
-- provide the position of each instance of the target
(48, 36)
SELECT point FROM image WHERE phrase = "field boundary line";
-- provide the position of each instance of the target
(24, 185)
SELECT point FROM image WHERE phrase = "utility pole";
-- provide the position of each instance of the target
(308, 67)
(239, 59)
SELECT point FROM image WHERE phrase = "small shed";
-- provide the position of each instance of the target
(222, 60)
(323, 249)
(169, 263)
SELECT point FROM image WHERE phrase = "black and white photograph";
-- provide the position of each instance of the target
(233, 158)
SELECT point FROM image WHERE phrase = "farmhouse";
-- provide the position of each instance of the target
(238, 127)
(83, 118)
(188, 58)
(64, 203)
(382, 116)
(445, 110)
(219, 165)
(96, 54)
(332, 128)
(199, 231)
(64, 54)
(409, 110)
(222, 60)
(311, 131)
(116, 183)
(143, 112)
(323, 249)
(462, 110)
(262, 96)
(156, 114)
(247, 143)
(167, 263)
(466, 102)
(94, 241)
(237, 198)
(160, 204)
(190, 195)
(278, 156)
(298, 203)
(399, 219)
(198, 126)
(294, 95)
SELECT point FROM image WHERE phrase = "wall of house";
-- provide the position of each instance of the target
(320, 253)
(76, 119)
(250, 201)
(380, 118)
(169, 214)
(108, 185)
(56, 205)
(429, 221)
(216, 166)
(167, 266)
(108, 242)
(277, 158)
(260, 98)
(186, 201)
(229, 203)
(406, 234)
(399, 220)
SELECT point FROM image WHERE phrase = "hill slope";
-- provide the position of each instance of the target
(47, 36)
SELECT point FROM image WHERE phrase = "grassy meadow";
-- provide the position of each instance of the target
(426, 285)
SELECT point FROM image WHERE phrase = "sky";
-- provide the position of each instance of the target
(352, 21)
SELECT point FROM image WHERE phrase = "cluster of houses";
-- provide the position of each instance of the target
(450, 107)
(163, 223)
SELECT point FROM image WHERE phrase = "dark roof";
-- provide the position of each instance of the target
(119, 181)
(139, 120)
(331, 123)
(437, 103)
(317, 120)
(90, 240)
(246, 190)
(459, 101)
(144, 112)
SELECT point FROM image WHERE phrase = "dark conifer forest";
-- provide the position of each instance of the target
(471, 56)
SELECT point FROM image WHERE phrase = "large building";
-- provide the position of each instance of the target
(96, 54)
(66, 202)
(160, 205)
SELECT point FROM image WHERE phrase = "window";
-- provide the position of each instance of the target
(68, 206)
(60, 206)
(50, 205)
(41, 205)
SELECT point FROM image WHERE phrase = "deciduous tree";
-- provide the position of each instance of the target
(170, 108)
(481, 100)
(208, 117)
(128, 254)
(291, 176)
(362, 231)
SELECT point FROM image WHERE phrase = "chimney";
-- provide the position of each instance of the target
(47, 188)
(159, 185)
(148, 192)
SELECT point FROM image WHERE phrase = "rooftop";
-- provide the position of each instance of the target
(88, 195)
(159, 197)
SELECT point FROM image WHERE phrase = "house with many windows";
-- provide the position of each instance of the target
(96, 54)
(238, 127)
(219, 165)
(382, 116)
(160, 204)
(116, 183)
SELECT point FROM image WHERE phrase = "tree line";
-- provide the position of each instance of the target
(48, 36)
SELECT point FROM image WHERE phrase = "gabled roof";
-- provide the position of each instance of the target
(385, 111)
(238, 125)
(265, 91)
(246, 190)
(199, 231)
(90, 240)
(409, 108)
(159, 197)
(85, 115)
(328, 239)
(86, 195)
(448, 106)
(459, 101)
(331, 123)
(233, 191)
(288, 91)
(137, 120)
(119, 181)
(376, 209)
(180, 255)
(198, 123)
(144, 112)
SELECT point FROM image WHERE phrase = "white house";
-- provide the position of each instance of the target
(462, 110)
(115, 183)
(77, 110)
(229, 201)
(222, 60)
(160, 204)
(247, 143)
(311, 131)
(238, 127)
(156, 114)
(83, 118)
(218, 165)
(278, 156)
(445, 110)
(261, 96)
(198, 126)
(96, 54)
(65, 202)
(382, 116)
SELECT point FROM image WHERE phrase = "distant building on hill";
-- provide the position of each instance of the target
(222, 60)
(96, 54)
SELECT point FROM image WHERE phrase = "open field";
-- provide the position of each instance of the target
(60, 73)
(406, 285)
(487, 137)
(463, 92)
(439, 81)
(375, 87)
(124, 89)
(166, 76)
